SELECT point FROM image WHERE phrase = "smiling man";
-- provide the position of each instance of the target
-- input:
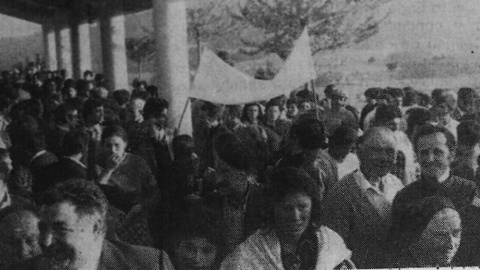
(73, 233)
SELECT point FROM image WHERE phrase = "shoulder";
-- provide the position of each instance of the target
(118, 255)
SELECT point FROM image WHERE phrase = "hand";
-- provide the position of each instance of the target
(113, 161)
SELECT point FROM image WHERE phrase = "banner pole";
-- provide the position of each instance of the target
(315, 99)
(183, 114)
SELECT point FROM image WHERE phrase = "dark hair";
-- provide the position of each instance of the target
(212, 110)
(234, 152)
(385, 96)
(245, 110)
(121, 96)
(372, 92)
(90, 105)
(467, 94)
(114, 130)
(60, 113)
(418, 117)
(292, 100)
(468, 133)
(154, 106)
(343, 135)
(429, 130)
(411, 97)
(272, 103)
(310, 133)
(87, 197)
(288, 181)
(182, 145)
(13, 209)
(87, 72)
(198, 221)
(74, 142)
(140, 95)
(408, 225)
(386, 113)
(234, 110)
(395, 92)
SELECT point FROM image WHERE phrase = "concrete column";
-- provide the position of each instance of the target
(64, 44)
(114, 56)
(173, 77)
(49, 46)
(81, 49)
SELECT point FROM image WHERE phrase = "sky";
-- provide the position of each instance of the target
(14, 27)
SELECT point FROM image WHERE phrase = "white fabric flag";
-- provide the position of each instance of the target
(218, 82)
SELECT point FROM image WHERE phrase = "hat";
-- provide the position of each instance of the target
(409, 224)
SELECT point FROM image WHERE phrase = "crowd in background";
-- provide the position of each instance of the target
(93, 178)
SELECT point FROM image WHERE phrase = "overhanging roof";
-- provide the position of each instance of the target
(37, 11)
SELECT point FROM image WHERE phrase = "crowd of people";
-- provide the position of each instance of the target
(94, 178)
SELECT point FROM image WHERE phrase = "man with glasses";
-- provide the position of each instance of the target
(359, 206)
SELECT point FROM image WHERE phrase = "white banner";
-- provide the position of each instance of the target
(218, 82)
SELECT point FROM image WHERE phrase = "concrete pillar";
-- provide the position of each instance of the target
(81, 49)
(64, 44)
(49, 46)
(114, 56)
(173, 77)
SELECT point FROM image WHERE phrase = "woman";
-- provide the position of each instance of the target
(125, 178)
(252, 114)
(20, 235)
(428, 236)
(195, 240)
(291, 239)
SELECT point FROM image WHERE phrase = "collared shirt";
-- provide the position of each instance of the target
(382, 194)
(348, 165)
(77, 161)
(444, 176)
(6, 202)
(37, 155)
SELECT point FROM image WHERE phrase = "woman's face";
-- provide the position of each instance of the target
(441, 239)
(195, 253)
(115, 145)
(305, 106)
(292, 215)
(273, 113)
(292, 110)
(252, 113)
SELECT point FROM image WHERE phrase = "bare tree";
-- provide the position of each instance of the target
(140, 50)
(331, 23)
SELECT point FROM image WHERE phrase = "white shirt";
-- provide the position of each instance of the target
(349, 165)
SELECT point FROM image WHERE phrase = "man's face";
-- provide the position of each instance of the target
(398, 101)
(433, 154)
(339, 101)
(72, 118)
(293, 214)
(305, 106)
(69, 241)
(393, 124)
(441, 110)
(20, 238)
(231, 120)
(98, 115)
(273, 113)
(340, 151)
(252, 113)
(377, 162)
(196, 253)
(441, 238)
(136, 107)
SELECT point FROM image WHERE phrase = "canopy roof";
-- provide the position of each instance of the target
(37, 11)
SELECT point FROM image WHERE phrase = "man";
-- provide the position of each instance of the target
(237, 198)
(7, 199)
(468, 152)
(371, 95)
(340, 146)
(73, 233)
(94, 115)
(389, 116)
(435, 147)
(444, 103)
(359, 206)
(20, 235)
(337, 114)
(465, 103)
